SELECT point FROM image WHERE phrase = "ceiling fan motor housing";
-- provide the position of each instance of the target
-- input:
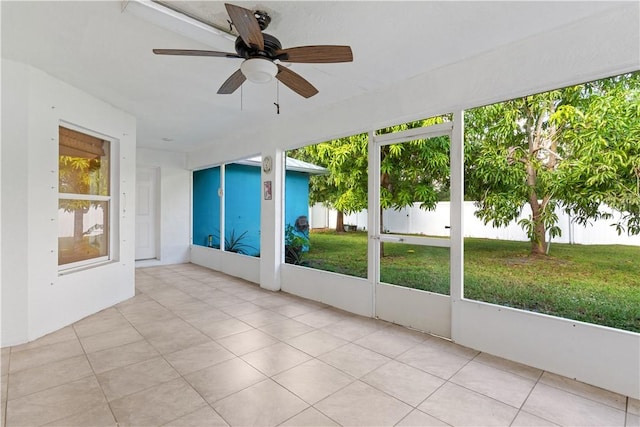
(263, 19)
(271, 45)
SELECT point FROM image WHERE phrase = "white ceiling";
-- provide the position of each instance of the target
(96, 47)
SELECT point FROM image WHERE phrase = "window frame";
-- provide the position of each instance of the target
(110, 223)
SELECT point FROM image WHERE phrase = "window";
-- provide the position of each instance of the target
(552, 221)
(325, 196)
(233, 213)
(242, 207)
(206, 207)
(84, 199)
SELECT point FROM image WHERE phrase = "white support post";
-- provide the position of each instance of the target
(457, 203)
(373, 218)
(271, 222)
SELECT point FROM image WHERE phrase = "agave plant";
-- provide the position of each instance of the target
(234, 243)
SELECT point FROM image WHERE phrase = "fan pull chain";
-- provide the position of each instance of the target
(277, 103)
(241, 97)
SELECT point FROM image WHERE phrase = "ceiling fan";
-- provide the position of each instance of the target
(261, 51)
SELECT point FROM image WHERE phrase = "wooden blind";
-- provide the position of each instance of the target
(77, 144)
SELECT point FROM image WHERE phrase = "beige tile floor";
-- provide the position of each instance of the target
(197, 348)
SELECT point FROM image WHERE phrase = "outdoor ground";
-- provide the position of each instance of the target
(596, 284)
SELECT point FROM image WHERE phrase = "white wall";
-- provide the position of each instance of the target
(35, 298)
(608, 358)
(345, 292)
(242, 266)
(174, 204)
(14, 205)
(424, 311)
(413, 220)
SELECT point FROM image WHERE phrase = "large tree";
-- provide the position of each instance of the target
(577, 147)
(77, 175)
(417, 171)
(345, 187)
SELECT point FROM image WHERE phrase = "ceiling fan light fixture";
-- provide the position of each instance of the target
(258, 70)
(261, 50)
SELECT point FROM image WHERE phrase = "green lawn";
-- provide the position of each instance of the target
(597, 284)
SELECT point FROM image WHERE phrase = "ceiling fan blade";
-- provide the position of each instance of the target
(295, 82)
(247, 25)
(316, 54)
(186, 52)
(234, 81)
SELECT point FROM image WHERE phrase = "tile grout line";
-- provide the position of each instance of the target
(313, 357)
(47, 363)
(267, 377)
(512, 373)
(86, 355)
(446, 381)
(538, 381)
(626, 398)
(626, 411)
(5, 404)
(271, 377)
(236, 356)
(161, 355)
(521, 409)
(414, 408)
(355, 379)
(391, 359)
(84, 352)
(505, 370)
(313, 405)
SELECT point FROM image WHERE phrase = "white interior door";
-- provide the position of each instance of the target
(146, 215)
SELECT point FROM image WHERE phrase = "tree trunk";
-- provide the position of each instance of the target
(539, 232)
(78, 216)
(539, 241)
(537, 140)
(340, 222)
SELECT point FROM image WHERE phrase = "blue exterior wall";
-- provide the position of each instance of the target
(296, 202)
(206, 206)
(242, 205)
(243, 193)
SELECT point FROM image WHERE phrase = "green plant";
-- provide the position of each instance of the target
(293, 245)
(234, 243)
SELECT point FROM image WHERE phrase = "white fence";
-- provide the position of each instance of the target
(413, 220)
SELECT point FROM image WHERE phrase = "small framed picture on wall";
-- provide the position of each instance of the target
(267, 190)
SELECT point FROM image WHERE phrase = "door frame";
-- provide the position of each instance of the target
(436, 310)
(155, 206)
